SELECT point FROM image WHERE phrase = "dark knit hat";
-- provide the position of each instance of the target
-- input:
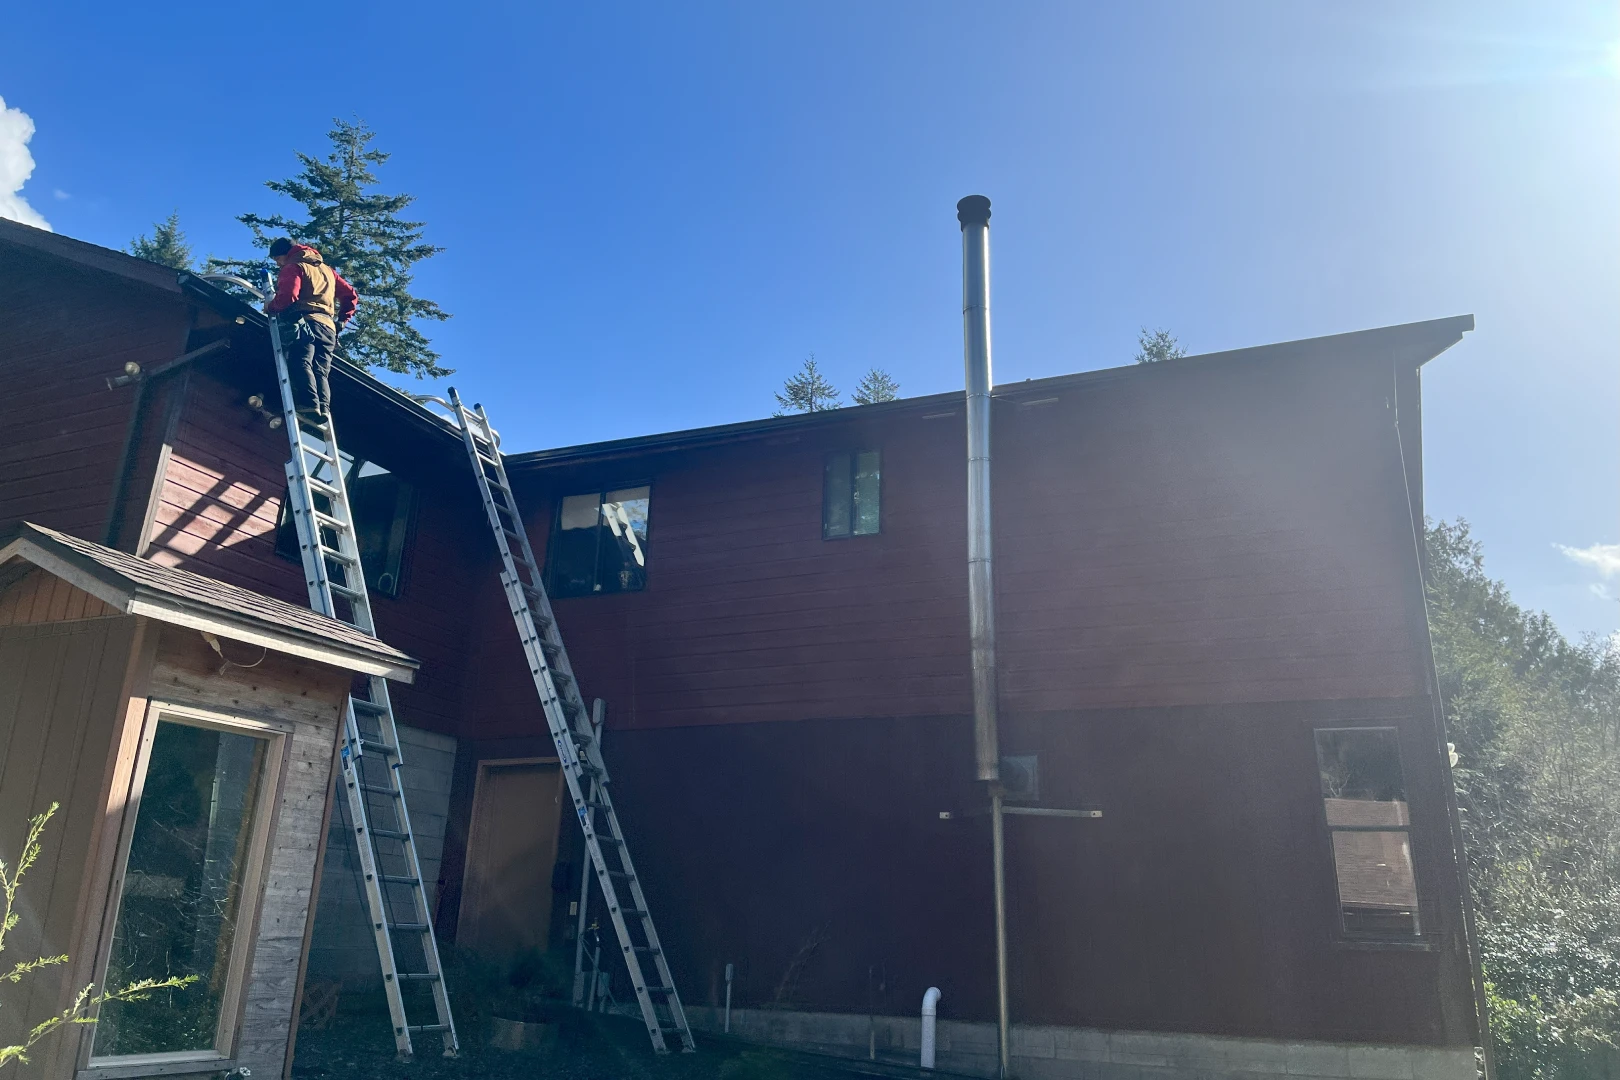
(280, 246)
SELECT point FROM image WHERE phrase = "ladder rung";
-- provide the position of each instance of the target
(647, 949)
(379, 748)
(633, 913)
(409, 927)
(390, 834)
(326, 521)
(429, 1027)
(603, 838)
(622, 874)
(338, 556)
(416, 976)
(321, 487)
(345, 592)
(375, 790)
(397, 879)
(369, 706)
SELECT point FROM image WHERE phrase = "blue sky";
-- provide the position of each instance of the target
(652, 213)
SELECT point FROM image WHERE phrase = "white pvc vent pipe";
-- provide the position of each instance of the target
(930, 1009)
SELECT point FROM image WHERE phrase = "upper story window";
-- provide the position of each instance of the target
(381, 504)
(1370, 827)
(600, 543)
(852, 494)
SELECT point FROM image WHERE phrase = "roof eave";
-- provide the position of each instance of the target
(130, 598)
(1416, 343)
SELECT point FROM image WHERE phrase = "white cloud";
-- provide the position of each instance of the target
(61, 195)
(16, 166)
(1604, 558)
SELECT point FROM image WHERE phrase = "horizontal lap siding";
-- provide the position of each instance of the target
(219, 511)
(61, 429)
(1215, 536)
(1227, 536)
(749, 614)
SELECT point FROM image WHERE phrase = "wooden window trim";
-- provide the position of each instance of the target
(279, 737)
(1423, 938)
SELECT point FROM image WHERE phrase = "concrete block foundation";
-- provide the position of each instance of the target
(1062, 1053)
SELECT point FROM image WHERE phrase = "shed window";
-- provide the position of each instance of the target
(600, 543)
(1370, 829)
(381, 503)
(851, 494)
(188, 891)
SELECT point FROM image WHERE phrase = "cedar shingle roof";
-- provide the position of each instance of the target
(137, 586)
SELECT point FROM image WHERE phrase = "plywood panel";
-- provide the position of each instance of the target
(60, 689)
(506, 905)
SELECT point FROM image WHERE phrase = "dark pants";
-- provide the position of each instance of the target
(309, 346)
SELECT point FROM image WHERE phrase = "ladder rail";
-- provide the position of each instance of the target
(579, 752)
(312, 526)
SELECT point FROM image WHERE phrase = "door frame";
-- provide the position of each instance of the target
(469, 871)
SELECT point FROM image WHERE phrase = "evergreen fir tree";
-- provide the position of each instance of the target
(1155, 345)
(807, 391)
(166, 246)
(877, 385)
(359, 232)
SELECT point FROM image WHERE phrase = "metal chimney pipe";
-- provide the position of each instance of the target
(973, 213)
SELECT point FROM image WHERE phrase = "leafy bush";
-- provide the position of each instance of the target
(85, 1001)
(1536, 719)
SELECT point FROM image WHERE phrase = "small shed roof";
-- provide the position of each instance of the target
(138, 587)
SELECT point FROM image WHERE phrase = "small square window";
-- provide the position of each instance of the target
(1370, 828)
(600, 543)
(852, 495)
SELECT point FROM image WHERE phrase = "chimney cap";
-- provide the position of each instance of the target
(973, 210)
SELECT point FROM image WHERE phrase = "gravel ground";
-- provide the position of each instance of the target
(588, 1047)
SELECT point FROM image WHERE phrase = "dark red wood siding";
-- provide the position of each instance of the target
(1225, 534)
(62, 431)
(221, 501)
(1236, 533)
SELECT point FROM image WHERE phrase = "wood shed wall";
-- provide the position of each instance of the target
(61, 689)
(304, 698)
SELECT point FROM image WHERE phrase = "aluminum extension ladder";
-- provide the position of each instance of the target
(578, 749)
(395, 893)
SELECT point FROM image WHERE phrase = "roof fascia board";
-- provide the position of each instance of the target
(70, 571)
(163, 608)
(91, 256)
(1424, 340)
(233, 307)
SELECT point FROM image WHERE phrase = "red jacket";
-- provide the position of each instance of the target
(307, 286)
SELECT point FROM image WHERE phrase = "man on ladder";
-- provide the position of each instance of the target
(313, 303)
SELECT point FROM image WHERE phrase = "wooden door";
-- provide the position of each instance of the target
(506, 892)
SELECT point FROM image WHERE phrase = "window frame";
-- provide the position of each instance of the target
(278, 738)
(405, 528)
(1420, 937)
(854, 454)
(548, 571)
